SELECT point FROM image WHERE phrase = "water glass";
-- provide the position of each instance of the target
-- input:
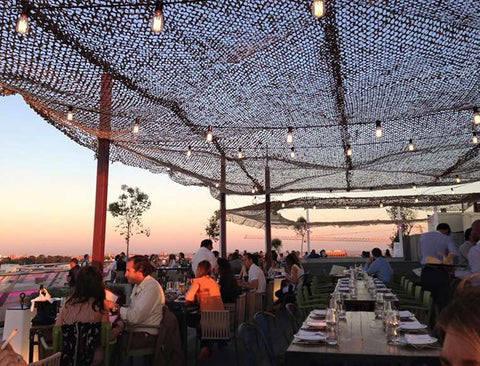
(341, 308)
(387, 308)
(333, 301)
(392, 323)
(332, 334)
(331, 316)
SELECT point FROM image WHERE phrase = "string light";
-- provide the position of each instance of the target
(283, 204)
(349, 151)
(416, 199)
(347, 208)
(254, 189)
(254, 200)
(292, 153)
(414, 186)
(240, 153)
(290, 135)
(189, 151)
(217, 185)
(411, 146)
(70, 114)
(314, 207)
(457, 179)
(157, 20)
(209, 137)
(22, 24)
(136, 126)
(378, 129)
(318, 8)
(381, 205)
(476, 117)
(474, 138)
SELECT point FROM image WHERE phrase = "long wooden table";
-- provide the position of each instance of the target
(362, 341)
(364, 300)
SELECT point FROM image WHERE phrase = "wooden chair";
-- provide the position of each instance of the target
(53, 360)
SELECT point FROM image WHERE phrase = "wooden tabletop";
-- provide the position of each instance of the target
(362, 341)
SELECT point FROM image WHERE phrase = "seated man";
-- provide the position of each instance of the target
(379, 267)
(256, 277)
(146, 304)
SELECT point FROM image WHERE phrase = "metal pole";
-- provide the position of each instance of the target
(268, 223)
(99, 228)
(308, 230)
(223, 210)
(400, 228)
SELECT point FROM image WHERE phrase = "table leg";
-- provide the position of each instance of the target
(31, 339)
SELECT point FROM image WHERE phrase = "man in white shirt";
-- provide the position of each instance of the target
(256, 277)
(473, 254)
(146, 304)
(204, 254)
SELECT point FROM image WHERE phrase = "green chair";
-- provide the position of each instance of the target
(130, 352)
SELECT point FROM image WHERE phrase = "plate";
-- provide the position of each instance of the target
(419, 339)
(315, 324)
(319, 312)
(412, 326)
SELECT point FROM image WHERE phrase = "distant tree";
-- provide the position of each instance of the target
(276, 244)
(300, 228)
(213, 226)
(129, 208)
(403, 216)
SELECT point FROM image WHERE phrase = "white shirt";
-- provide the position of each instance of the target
(146, 305)
(203, 254)
(463, 253)
(255, 273)
(473, 262)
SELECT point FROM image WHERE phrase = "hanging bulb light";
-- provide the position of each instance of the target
(157, 20)
(314, 207)
(457, 179)
(411, 146)
(378, 129)
(189, 151)
(254, 200)
(283, 204)
(240, 153)
(414, 186)
(349, 151)
(474, 138)
(136, 126)
(209, 137)
(347, 208)
(217, 185)
(381, 205)
(70, 114)
(292, 153)
(253, 189)
(318, 8)
(416, 199)
(476, 117)
(290, 135)
(22, 24)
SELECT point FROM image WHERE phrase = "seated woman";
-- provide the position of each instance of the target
(228, 284)
(81, 319)
(294, 277)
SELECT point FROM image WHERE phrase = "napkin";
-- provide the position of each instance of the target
(41, 297)
(316, 324)
(419, 339)
(412, 325)
(405, 314)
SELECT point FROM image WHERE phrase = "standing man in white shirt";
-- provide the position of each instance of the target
(256, 277)
(204, 254)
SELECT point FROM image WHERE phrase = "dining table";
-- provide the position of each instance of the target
(361, 341)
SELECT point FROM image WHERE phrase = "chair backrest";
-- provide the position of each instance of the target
(250, 305)
(258, 352)
(275, 335)
(241, 303)
(79, 342)
(232, 308)
(53, 360)
(296, 316)
(418, 293)
(259, 302)
(268, 303)
(215, 325)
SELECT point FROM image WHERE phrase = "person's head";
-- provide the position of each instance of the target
(85, 256)
(387, 251)
(138, 267)
(204, 268)
(313, 251)
(172, 257)
(224, 267)
(460, 325)
(376, 252)
(281, 255)
(89, 285)
(292, 259)
(468, 234)
(207, 243)
(250, 259)
(444, 228)
(323, 253)
(475, 235)
(216, 253)
(73, 262)
(181, 255)
(235, 255)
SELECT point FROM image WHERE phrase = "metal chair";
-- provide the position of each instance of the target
(258, 352)
(296, 316)
(53, 360)
(276, 336)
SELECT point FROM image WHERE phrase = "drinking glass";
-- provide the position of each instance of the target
(341, 314)
(332, 334)
(392, 323)
(169, 286)
(387, 307)
(333, 301)
(331, 316)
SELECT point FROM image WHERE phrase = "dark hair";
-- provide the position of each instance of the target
(88, 285)
(292, 259)
(252, 257)
(85, 256)
(205, 268)
(172, 256)
(324, 255)
(74, 260)
(376, 252)
(216, 253)
(181, 255)
(444, 226)
(224, 267)
(206, 243)
(117, 257)
(141, 264)
(235, 255)
(468, 232)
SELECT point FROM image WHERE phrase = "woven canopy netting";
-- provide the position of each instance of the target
(252, 69)
(254, 215)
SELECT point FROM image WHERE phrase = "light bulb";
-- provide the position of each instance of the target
(314, 207)
(474, 138)
(457, 179)
(349, 150)
(136, 126)
(292, 152)
(22, 24)
(290, 135)
(254, 200)
(414, 186)
(157, 21)
(318, 8)
(476, 117)
(411, 146)
(217, 185)
(70, 114)
(209, 134)
(347, 208)
(283, 204)
(416, 199)
(378, 129)
(253, 189)
(189, 151)
(240, 153)
(381, 204)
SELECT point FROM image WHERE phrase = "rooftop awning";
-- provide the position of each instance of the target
(252, 69)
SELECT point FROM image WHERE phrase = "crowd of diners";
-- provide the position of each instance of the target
(217, 281)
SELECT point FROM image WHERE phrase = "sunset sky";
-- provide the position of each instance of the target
(48, 185)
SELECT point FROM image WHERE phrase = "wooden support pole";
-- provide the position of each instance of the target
(103, 152)
(223, 210)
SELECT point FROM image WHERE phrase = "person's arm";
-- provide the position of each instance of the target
(373, 268)
(192, 291)
(368, 263)
(294, 278)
